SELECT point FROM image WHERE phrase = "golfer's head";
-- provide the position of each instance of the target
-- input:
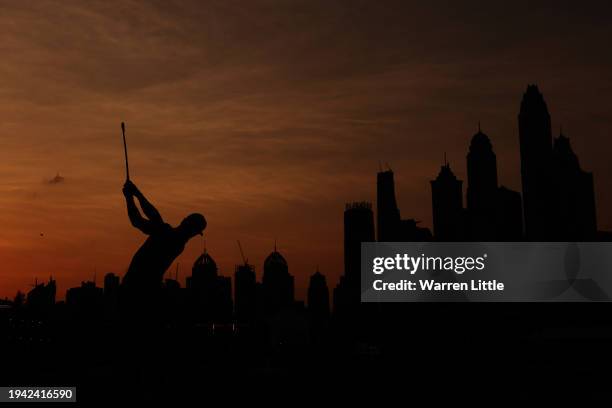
(194, 224)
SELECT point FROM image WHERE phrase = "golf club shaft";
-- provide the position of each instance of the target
(127, 167)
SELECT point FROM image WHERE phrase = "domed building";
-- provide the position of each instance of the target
(494, 213)
(210, 294)
(277, 283)
(481, 188)
(203, 272)
(481, 172)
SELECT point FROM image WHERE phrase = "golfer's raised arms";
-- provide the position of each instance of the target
(147, 208)
(145, 225)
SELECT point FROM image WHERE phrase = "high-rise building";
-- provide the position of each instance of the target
(574, 196)
(481, 188)
(210, 294)
(318, 297)
(508, 216)
(86, 301)
(447, 203)
(245, 293)
(536, 155)
(387, 212)
(277, 284)
(358, 228)
(41, 297)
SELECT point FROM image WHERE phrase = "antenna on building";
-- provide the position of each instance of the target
(275, 244)
(445, 161)
(388, 167)
(478, 126)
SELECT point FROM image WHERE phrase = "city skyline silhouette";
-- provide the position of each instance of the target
(485, 211)
(259, 323)
(288, 133)
(283, 122)
(489, 212)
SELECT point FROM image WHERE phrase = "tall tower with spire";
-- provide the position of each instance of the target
(277, 283)
(535, 139)
(447, 204)
(210, 293)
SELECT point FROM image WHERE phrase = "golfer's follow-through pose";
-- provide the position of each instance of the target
(162, 246)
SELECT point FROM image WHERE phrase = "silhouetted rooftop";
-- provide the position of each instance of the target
(480, 142)
(533, 100)
(446, 173)
(562, 150)
(317, 275)
(275, 258)
(205, 259)
(358, 205)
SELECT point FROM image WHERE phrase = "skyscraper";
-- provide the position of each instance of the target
(481, 188)
(245, 293)
(85, 301)
(447, 205)
(573, 193)
(42, 296)
(277, 284)
(387, 212)
(536, 155)
(211, 294)
(318, 297)
(509, 216)
(358, 228)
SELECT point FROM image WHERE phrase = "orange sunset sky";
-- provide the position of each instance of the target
(267, 116)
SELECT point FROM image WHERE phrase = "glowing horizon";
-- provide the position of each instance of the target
(267, 117)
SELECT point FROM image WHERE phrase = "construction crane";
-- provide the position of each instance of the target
(246, 261)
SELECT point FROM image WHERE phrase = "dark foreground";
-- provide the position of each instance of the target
(512, 353)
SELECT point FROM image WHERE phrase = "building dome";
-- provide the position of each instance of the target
(318, 278)
(205, 260)
(275, 259)
(204, 267)
(480, 142)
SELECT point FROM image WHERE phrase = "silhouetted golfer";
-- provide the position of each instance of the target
(162, 246)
